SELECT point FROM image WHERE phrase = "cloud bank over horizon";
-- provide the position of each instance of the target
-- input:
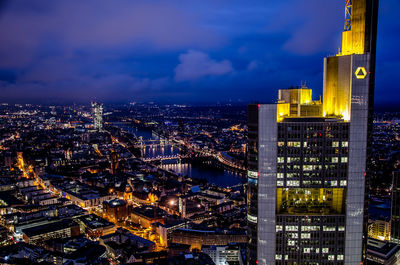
(174, 51)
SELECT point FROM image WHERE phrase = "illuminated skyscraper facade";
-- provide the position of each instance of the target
(97, 110)
(307, 171)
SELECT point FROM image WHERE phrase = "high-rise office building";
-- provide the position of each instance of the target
(97, 110)
(307, 171)
(395, 224)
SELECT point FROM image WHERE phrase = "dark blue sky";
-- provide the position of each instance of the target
(178, 51)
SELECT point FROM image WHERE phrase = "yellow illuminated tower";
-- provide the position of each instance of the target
(307, 159)
(355, 62)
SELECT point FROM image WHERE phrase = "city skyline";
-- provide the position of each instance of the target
(208, 54)
(199, 132)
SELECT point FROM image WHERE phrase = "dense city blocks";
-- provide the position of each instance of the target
(199, 132)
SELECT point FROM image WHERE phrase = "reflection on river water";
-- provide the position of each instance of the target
(217, 176)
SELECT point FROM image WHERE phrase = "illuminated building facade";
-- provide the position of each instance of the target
(61, 229)
(307, 159)
(115, 210)
(97, 109)
(379, 229)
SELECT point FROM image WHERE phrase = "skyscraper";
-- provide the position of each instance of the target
(307, 171)
(395, 224)
(97, 110)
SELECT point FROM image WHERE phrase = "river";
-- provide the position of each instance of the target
(217, 176)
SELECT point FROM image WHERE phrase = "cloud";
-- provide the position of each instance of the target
(195, 64)
(29, 29)
(145, 49)
(252, 65)
(109, 88)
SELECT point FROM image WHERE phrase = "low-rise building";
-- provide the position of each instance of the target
(147, 215)
(379, 252)
(115, 210)
(164, 231)
(94, 226)
(61, 229)
(223, 254)
(198, 238)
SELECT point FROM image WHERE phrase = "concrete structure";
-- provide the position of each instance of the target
(147, 215)
(395, 225)
(379, 229)
(379, 252)
(81, 194)
(197, 238)
(94, 226)
(61, 229)
(164, 231)
(307, 171)
(97, 110)
(115, 210)
(223, 255)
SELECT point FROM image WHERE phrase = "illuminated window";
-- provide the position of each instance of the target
(278, 256)
(279, 183)
(281, 143)
(293, 159)
(343, 183)
(335, 144)
(335, 159)
(293, 235)
(329, 229)
(252, 174)
(305, 236)
(341, 228)
(344, 160)
(340, 257)
(325, 250)
(286, 257)
(334, 183)
(306, 250)
(308, 167)
(291, 228)
(317, 250)
(305, 144)
(309, 200)
(252, 218)
(279, 228)
(293, 183)
(294, 144)
(309, 228)
(281, 159)
(291, 243)
(331, 257)
(279, 175)
(345, 144)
